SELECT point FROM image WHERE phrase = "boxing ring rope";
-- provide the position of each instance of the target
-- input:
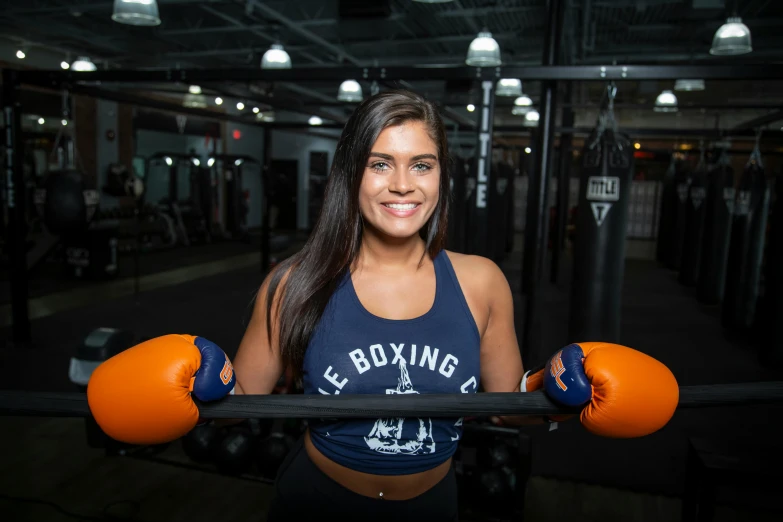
(52, 404)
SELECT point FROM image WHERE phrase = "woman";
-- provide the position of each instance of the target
(373, 303)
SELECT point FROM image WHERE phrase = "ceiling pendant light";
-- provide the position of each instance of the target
(484, 51)
(350, 91)
(666, 102)
(315, 120)
(136, 12)
(276, 58)
(732, 38)
(689, 85)
(522, 105)
(509, 87)
(83, 64)
(531, 118)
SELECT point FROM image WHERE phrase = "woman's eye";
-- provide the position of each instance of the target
(379, 166)
(421, 166)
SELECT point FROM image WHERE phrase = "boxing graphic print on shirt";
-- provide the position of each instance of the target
(387, 369)
(386, 434)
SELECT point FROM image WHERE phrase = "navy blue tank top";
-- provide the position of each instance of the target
(353, 351)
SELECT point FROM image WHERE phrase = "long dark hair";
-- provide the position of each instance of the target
(312, 274)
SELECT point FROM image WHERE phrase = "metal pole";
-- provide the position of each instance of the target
(16, 237)
(265, 175)
(536, 229)
(563, 182)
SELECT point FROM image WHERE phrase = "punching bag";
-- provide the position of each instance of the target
(599, 252)
(668, 209)
(717, 231)
(746, 246)
(694, 225)
(682, 180)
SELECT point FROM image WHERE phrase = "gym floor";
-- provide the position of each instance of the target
(47, 471)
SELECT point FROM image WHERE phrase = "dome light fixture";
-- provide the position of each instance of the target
(218, 101)
(350, 91)
(509, 87)
(483, 51)
(65, 65)
(531, 118)
(136, 12)
(83, 64)
(471, 107)
(666, 102)
(731, 39)
(21, 54)
(315, 120)
(276, 58)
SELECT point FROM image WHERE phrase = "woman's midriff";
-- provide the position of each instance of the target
(393, 487)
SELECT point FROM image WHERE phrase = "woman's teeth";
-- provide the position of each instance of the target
(396, 206)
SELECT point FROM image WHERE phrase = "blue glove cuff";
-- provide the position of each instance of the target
(565, 380)
(215, 378)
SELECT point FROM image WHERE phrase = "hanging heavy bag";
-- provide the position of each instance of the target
(719, 208)
(599, 253)
(668, 209)
(682, 181)
(746, 246)
(694, 225)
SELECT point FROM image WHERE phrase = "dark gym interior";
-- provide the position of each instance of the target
(160, 157)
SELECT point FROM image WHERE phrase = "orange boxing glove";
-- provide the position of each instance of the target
(143, 395)
(626, 392)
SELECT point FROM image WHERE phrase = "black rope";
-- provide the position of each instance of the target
(49, 404)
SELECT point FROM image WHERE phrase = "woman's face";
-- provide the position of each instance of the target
(401, 181)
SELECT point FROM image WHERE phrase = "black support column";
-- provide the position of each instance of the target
(563, 185)
(538, 215)
(265, 185)
(16, 230)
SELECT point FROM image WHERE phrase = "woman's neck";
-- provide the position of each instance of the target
(390, 253)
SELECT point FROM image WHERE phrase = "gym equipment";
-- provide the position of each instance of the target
(120, 182)
(668, 211)
(682, 180)
(272, 450)
(201, 443)
(233, 454)
(187, 206)
(718, 211)
(599, 253)
(231, 168)
(694, 224)
(65, 202)
(99, 345)
(746, 246)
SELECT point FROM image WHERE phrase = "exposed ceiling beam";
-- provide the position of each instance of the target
(297, 28)
(761, 121)
(96, 6)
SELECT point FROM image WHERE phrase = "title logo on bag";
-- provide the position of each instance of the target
(603, 188)
(697, 196)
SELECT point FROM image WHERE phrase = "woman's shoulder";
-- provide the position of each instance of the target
(476, 271)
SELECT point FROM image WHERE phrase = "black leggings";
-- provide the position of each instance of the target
(304, 492)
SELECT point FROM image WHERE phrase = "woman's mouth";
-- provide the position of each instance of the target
(401, 209)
